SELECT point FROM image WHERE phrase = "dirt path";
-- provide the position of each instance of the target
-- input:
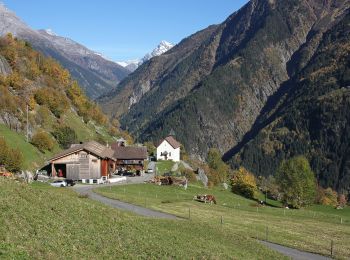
(294, 253)
(88, 189)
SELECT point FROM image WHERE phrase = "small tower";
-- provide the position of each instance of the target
(172, 133)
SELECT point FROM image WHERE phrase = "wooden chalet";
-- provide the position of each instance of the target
(89, 160)
(130, 158)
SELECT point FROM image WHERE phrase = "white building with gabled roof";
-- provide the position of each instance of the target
(169, 149)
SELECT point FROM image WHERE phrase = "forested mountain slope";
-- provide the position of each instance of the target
(212, 86)
(310, 115)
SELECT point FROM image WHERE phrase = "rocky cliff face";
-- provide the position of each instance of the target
(95, 74)
(5, 68)
(213, 85)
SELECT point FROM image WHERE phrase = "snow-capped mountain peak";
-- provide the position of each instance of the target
(50, 32)
(162, 47)
(132, 65)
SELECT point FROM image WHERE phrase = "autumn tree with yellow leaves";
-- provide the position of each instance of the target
(243, 183)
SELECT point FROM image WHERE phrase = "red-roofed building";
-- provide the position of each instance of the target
(168, 149)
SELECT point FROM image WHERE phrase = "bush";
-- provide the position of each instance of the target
(326, 197)
(10, 158)
(55, 100)
(189, 174)
(42, 141)
(219, 171)
(243, 183)
(65, 136)
(342, 200)
(42, 116)
(297, 182)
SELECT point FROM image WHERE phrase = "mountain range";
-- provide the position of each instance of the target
(132, 65)
(268, 83)
(94, 73)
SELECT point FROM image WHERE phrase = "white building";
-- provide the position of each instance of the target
(169, 149)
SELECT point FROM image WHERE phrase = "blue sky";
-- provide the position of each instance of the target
(123, 29)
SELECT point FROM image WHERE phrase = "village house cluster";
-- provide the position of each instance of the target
(94, 161)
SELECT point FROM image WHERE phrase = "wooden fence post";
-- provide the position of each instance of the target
(331, 247)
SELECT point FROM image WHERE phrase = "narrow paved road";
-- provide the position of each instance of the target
(294, 253)
(88, 189)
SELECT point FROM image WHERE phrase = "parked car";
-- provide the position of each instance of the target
(150, 170)
(128, 173)
(70, 182)
(42, 176)
(59, 183)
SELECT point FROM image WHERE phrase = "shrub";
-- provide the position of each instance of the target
(42, 141)
(326, 196)
(269, 186)
(219, 171)
(10, 158)
(342, 200)
(243, 183)
(189, 174)
(65, 136)
(42, 116)
(55, 100)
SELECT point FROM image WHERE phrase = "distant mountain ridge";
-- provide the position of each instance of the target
(95, 74)
(161, 48)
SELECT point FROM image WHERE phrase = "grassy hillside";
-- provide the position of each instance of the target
(33, 158)
(67, 226)
(309, 229)
(37, 92)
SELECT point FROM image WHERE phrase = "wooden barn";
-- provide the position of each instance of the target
(130, 158)
(89, 160)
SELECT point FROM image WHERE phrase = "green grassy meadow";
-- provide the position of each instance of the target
(164, 166)
(310, 229)
(41, 222)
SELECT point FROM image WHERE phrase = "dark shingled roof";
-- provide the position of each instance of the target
(172, 141)
(92, 147)
(130, 152)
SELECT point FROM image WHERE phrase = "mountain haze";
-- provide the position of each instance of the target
(95, 74)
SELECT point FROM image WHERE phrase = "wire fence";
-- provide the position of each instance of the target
(270, 224)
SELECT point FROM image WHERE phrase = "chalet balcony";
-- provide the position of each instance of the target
(130, 162)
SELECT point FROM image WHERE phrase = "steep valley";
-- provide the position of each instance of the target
(220, 86)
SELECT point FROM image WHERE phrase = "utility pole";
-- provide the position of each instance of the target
(27, 123)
